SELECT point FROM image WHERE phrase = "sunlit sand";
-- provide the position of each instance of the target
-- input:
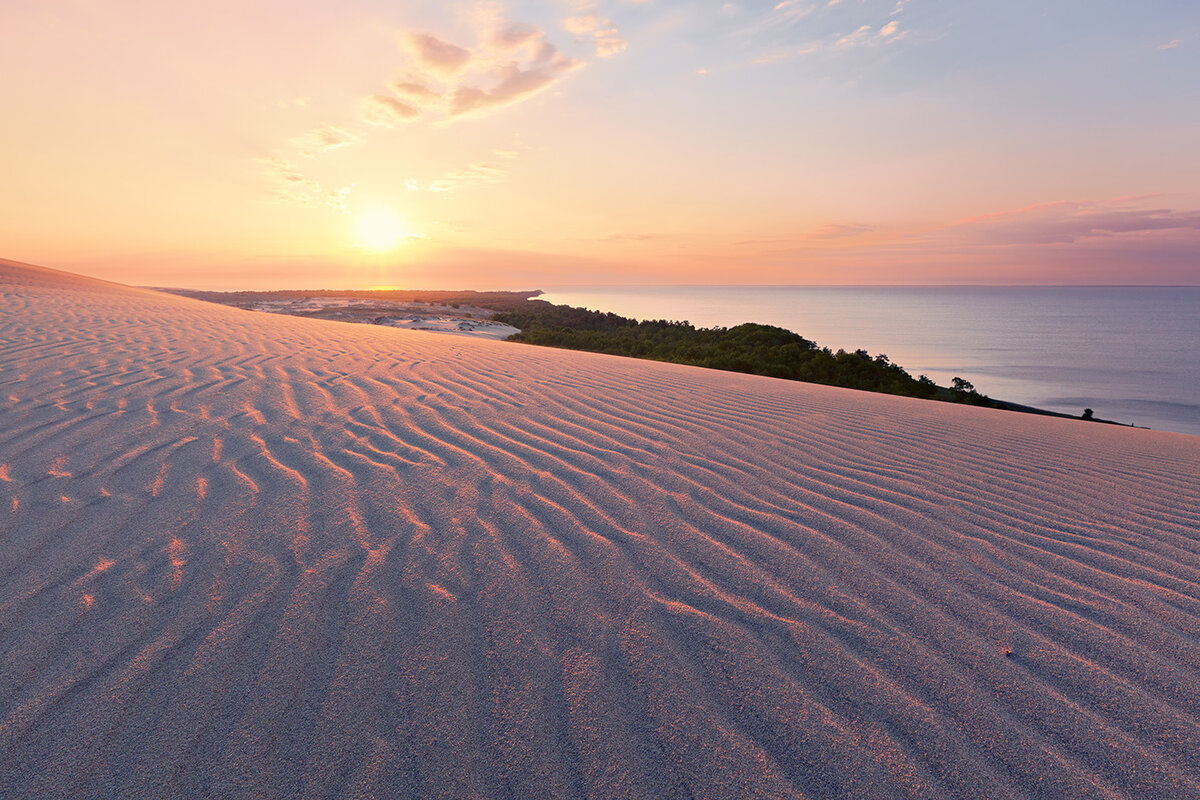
(259, 556)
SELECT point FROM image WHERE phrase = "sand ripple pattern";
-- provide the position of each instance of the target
(247, 556)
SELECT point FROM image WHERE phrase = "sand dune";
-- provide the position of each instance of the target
(245, 555)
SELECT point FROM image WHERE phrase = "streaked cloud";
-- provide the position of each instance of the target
(513, 85)
(609, 42)
(415, 91)
(630, 237)
(866, 35)
(511, 62)
(291, 185)
(1080, 240)
(795, 8)
(385, 111)
(442, 80)
(477, 172)
(585, 21)
(842, 231)
(822, 26)
(320, 140)
(582, 23)
(1071, 222)
(493, 170)
(509, 36)
(774, 23)
(1178, 42)
(435, 54)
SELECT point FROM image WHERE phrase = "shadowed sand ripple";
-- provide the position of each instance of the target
(254, 556)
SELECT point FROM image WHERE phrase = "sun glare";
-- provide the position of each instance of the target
(379, 230)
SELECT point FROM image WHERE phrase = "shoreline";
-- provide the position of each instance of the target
(469, 313)
(1123, 351)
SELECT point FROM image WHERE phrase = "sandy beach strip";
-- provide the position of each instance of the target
(257, 556)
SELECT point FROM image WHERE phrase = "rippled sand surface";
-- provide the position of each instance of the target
(244, 555)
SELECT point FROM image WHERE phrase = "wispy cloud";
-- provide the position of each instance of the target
(842, 231)
(513, 83)
(582, 23)
(778, 20)
(818, 22)
(477, 172)
(630, 237)
(1178, 42)
(492, 171)
(585, 21)
(320, 140)
(509, 36)
(290, 185)
(795, 9)
(1088, 241)
(415, 91)
(439, 80)
(385, 111)
(868, 36)
(1044, 233)
(510, 62)
(434, 54)
(1069, 223)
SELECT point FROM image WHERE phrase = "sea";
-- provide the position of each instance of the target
(1130, 353)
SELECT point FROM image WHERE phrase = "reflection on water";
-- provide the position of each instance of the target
(1130, 353)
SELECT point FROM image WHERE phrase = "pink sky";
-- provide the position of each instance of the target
(577, 142)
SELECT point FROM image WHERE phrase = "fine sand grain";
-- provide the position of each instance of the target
(253, 556)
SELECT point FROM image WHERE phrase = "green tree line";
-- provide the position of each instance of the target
(750, 347)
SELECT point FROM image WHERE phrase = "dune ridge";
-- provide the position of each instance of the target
(244, 555)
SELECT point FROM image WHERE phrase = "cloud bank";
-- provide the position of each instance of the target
(1071, 223)
(1119, 240)
(510, 63)
(440, 80)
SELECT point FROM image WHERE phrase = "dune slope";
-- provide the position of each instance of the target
(244, 555)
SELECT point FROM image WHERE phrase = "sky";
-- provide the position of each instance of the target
(521, 145)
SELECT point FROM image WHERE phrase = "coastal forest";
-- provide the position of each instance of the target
(750, 347)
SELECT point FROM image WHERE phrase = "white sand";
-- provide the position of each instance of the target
(245, 555)
(475, 328)
(476, 323)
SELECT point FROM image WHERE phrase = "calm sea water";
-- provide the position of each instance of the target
(1130, 353)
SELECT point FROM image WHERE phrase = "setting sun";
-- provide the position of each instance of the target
(379, 230)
